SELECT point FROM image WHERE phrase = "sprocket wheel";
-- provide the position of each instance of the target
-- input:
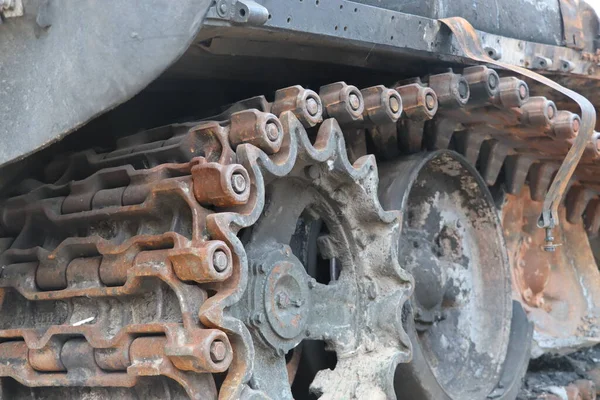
(358, 315)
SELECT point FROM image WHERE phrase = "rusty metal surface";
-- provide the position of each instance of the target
(559, 290)
(471, 46)
(572, 24)
(125, 264)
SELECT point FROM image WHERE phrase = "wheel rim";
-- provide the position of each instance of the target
(452, 244)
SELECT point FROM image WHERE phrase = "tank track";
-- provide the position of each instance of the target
(119, 266)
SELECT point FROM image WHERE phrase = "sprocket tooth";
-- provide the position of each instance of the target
(372, 377)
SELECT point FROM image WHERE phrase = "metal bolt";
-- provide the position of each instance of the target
(220, 261)
(372, 291)
(394, 104)
(429, 101)
(463, 89)
(258, 318)
(312, 106)
(354, 101)
(223, 7)
(238, 182)
(298, 303)
(550, 111)
(312, 283)
(492, 81)
(313, 172)
(272, 131)
(218, 351)
(283, 300)
(549, 246)
(522, 91)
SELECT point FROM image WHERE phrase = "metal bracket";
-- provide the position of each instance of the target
(245, 12)
(470, 45)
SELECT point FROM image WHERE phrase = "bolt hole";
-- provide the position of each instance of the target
(242, 12)
(490, 53)
(317, 2)
(345, 28)
(336, 28)
(566, 66)
(341, 6)
(270, 16)
(289, 20)
(393, 17)
(356, 10)
(391, 37)
(419, 23)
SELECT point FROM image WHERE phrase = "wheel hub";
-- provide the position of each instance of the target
(280, 295)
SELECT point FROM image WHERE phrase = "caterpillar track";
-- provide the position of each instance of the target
(187, 261)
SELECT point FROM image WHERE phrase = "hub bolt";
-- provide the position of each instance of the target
(551, 112)
(218, 351)
(354, 101)
(220, 261)
(238, 182)
(312, 106)
(429, 101)
(258, 318)
(272, 131)
(394, 104)
(283, 300)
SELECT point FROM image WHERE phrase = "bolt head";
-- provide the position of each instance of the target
(272, 131)
(394, 104)
(354, 101)
(313, 172)
(312, 106)
(218, 351)
(220, 261)
(238, 182)
(551, 111)
(429, 101)
(372, 291)
(223, 7)
(312, 283)
(283, 299)
(258, 318)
